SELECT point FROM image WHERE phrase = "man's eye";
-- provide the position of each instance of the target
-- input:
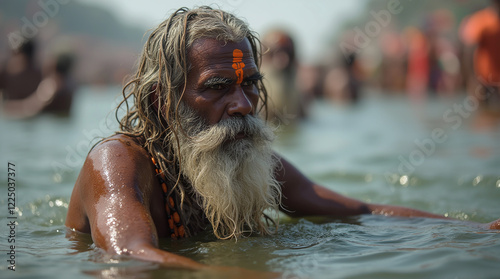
(217, 86)
(249, 82)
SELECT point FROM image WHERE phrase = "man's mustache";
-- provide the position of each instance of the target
(227, 130)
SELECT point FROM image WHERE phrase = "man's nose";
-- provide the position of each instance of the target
(239, 105)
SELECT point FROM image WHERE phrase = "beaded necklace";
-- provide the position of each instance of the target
(174, 220)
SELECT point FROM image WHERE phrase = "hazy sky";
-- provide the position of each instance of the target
(311, 21)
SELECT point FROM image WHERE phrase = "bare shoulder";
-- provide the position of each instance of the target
(119, 158)
(116, 164)
(117, 146)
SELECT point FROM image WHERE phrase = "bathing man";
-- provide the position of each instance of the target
(192, 154)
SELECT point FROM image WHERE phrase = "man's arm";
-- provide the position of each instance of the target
(302, 197)
(112, 198)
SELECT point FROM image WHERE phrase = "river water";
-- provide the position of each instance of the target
(429, 156)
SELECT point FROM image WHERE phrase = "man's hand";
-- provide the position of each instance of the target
(495, 225)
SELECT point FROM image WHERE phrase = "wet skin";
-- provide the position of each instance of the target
(118, 200)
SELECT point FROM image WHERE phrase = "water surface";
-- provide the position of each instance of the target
(357, 151)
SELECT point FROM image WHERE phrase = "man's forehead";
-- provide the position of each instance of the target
(207, 48)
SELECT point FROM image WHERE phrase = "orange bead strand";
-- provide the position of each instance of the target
(174, 220)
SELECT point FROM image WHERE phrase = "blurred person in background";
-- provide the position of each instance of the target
(53, 94)
(480, 33)
(393, 64)
(444, 64)
(417, 78)
(279, 67)
(20, 76)
(60, 74)
(341, 83)
(433, 62)
(309, 77)
(343, 74)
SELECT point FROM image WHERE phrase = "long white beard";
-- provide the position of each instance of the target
(233, 179)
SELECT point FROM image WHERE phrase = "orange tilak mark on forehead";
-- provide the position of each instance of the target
(238, 65)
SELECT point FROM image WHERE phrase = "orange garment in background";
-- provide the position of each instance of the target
(483, 29)
(417, 79)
